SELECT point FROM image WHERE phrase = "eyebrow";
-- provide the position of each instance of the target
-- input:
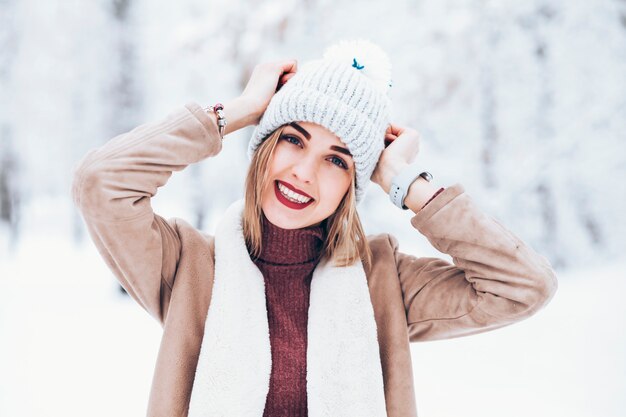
(308, 136)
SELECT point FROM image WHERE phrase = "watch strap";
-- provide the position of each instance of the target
(401, 182)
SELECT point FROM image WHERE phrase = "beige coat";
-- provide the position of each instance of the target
(167, 265)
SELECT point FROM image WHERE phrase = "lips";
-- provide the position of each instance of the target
(287, 202)
(294, 189)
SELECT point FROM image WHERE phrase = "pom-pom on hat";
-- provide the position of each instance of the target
(345, 92)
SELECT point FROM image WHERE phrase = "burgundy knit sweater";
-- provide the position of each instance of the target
(287, 260)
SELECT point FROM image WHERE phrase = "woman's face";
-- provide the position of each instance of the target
(313, 162)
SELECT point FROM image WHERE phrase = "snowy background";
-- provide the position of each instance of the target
(524, 103)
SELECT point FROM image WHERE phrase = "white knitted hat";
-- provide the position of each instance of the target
(346, 92)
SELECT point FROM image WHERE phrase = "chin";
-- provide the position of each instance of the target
(280, 216)
(282, 221)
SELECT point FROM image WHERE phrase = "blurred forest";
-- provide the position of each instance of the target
(524, 103)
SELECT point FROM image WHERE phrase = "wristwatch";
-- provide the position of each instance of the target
(402, 181)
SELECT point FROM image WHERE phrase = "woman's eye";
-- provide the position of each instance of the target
(335, 159)
(292, 139)
(340, 162)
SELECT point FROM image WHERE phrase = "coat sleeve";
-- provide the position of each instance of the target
(495, 279)
(112, 186)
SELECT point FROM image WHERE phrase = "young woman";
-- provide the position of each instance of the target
(290, 309)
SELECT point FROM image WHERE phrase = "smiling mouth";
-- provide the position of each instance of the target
(283, 195)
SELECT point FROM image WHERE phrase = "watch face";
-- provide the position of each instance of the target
(426, 175)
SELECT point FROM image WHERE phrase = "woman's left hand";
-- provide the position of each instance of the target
(401, 147)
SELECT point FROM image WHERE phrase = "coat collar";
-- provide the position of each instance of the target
(344, 372)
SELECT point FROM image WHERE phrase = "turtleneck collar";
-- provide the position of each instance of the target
(290, 246)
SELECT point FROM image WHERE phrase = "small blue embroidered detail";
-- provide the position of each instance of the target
(356, 65)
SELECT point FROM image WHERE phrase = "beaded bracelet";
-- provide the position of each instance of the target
(218, 109)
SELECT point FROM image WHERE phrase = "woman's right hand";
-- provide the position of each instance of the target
(266, 79)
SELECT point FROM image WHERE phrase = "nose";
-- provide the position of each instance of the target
(305, 169)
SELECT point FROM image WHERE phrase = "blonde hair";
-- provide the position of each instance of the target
(345, 240)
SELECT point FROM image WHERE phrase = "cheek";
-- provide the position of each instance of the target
(337, 186)
(281, 159)
(278, 163)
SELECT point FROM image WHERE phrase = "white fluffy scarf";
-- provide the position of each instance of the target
(344, 374)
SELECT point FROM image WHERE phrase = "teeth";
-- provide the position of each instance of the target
(297, 198)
